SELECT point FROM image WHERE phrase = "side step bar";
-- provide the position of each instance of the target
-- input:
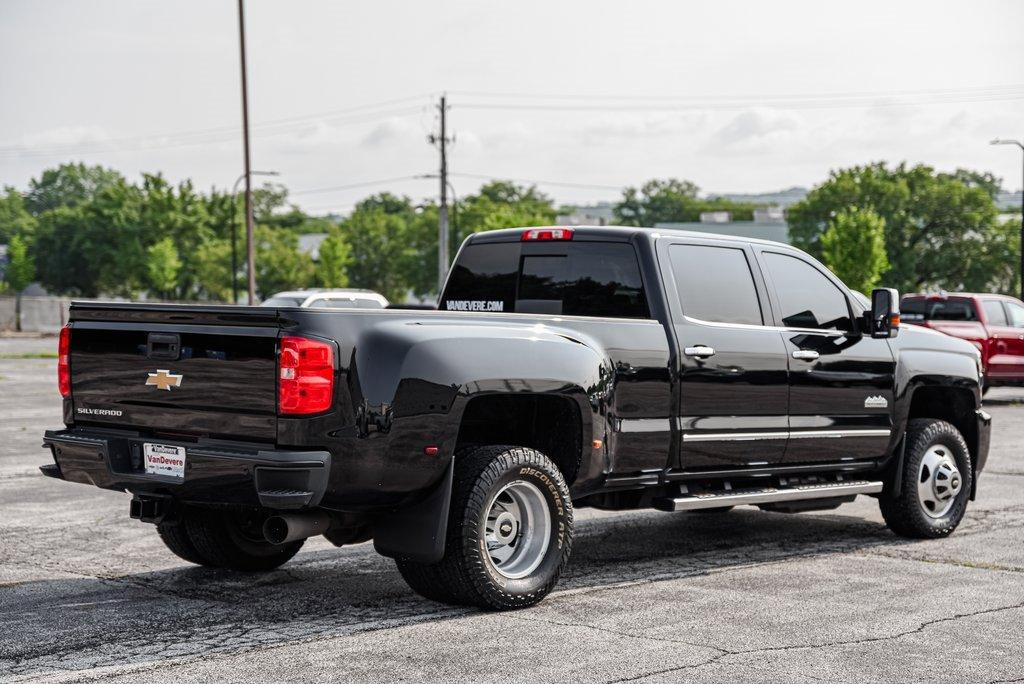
(766, 495)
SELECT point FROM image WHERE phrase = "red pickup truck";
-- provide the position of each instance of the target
(992, 323)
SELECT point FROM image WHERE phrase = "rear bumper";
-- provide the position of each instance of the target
(215, 472)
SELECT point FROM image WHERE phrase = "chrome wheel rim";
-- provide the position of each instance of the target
(517, 529)
(938, 482)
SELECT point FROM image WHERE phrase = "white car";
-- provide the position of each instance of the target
(328, 299)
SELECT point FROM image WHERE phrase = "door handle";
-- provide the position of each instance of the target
(805, 354)
(700, 351)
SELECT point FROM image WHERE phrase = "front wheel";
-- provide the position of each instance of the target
(509, 535)
(937, 478)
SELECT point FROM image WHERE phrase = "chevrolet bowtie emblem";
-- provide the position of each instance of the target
(164, 379)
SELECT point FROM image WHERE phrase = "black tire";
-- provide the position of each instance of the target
(175, 537)
(903, 511)
(466, 575)
(235, 541)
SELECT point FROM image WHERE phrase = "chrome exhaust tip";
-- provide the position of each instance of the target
(289, 527)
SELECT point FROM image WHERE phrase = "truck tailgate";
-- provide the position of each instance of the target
(188, 371)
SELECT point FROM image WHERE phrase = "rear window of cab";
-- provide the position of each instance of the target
(937, 309)
(576, 278)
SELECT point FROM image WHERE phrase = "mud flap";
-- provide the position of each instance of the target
(894, 476)
(417, 533)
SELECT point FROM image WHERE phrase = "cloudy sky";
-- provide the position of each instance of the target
(584, 95)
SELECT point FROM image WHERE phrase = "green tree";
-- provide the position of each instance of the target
(15, 218)
(940, 232)
(163, 267)
(382, 253)
(19, 273)
(213, 270)
(672, 201)
(658, 201)
(182, 216)
(334, 258)
(97, 247)
(69, 185)
(279, 263)
(854, 248)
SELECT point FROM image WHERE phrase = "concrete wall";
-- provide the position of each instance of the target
(6, 313)
(38, 314)
(43, 314)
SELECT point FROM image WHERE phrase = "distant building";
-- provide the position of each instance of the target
(600, 214)
(309, 243)
(1009, 201)
(715, 217)
(782, 198)
(768, 224)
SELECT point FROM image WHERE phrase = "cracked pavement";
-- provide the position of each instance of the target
(88, 594)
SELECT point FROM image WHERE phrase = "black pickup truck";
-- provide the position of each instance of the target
(618, 368)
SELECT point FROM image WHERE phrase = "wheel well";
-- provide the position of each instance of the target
(549, 424)
(952, 405)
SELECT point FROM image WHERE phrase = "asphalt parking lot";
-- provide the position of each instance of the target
(86, 593)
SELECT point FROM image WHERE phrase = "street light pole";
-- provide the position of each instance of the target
(249, 230)
(1019, 144)
(234, 221)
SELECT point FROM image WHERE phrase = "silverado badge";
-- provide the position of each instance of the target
(877, 401)
(164, 379)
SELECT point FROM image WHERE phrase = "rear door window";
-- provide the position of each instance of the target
(591, 279)
(994, 312)
(574, 279)
(715, 284)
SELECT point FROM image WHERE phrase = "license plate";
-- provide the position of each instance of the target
(164, 459)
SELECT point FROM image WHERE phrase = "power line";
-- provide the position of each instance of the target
(727, 104)
(985, 90)
(534, 181)
(351, 186)
(205, 136)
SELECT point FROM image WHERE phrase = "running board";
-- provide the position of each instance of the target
(766, 495)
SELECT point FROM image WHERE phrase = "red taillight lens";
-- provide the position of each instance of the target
(545, 234)
(64, 362)
(305, 376)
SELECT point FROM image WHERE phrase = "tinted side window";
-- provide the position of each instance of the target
(1016, 314)
(715, 284)
(591, 279)
(483, 279)
(994, 312)
(808, 299)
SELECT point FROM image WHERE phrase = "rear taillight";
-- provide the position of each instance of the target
(546, 234)
(305, 376)
(64, 361)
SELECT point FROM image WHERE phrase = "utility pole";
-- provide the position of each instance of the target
(249, 230)
(234, 220)
(1019, 144)
(442, 141)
